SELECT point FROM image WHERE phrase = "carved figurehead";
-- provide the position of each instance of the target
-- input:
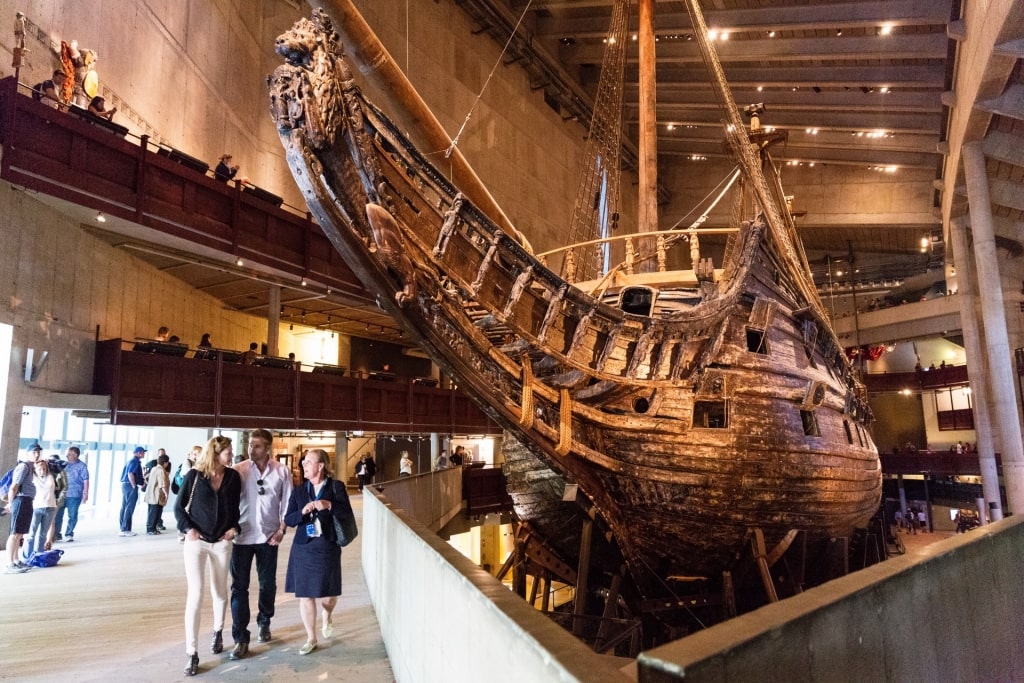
(306, 91)
(308, 105)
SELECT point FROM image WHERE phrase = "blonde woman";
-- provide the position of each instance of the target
(314, 565)
(44, 508)
(207, 511)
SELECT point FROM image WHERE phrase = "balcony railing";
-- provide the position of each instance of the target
(154, 388)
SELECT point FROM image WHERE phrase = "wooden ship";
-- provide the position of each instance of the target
(702, 415)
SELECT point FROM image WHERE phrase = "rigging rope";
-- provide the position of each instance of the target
(455, 140)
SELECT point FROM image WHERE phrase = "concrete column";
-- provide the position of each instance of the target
(981, 392)
(342, 471)
(273, 320)
(1003, 387)
(903, 495)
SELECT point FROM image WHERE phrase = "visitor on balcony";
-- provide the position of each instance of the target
(206, 342)
(250, 356)
(98, 107)
(225, 170)
(49, 91)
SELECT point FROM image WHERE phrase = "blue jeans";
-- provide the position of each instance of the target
(266, 572)
(131, 497)
(42, 518)
(71, 505)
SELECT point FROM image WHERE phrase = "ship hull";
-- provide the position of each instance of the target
(683, 434)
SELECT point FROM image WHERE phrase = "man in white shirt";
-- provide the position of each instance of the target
(266, 488)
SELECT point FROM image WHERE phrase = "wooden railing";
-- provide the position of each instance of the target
(74, 159)
(942, 463)
(157, 389)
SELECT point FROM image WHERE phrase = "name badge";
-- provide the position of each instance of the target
(311, 530)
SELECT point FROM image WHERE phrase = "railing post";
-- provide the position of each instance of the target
(140, 178)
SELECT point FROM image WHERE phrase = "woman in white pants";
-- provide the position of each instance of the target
(207, 511)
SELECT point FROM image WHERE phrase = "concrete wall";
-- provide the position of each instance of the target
(445, 619)
(953, 613)
(60, 288)
(187, 72)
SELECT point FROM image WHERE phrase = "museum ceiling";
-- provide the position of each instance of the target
(857, 85)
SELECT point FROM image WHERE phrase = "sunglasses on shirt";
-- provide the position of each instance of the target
(259, 482)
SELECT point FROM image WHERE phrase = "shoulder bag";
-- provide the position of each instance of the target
(345, 530)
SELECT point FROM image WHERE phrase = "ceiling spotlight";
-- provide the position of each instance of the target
(760, 88)
(885, 30)
(239, 261)
(839, 31)
(303, 283)
(100, 218)
(771, 34)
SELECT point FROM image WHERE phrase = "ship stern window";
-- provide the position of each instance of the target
(637, 300)
(757, 342)
(810, 423)
(710, 414)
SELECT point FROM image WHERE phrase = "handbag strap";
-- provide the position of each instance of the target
(188, 505)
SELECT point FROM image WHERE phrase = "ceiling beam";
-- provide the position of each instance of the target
(795, 18)
(829, 50)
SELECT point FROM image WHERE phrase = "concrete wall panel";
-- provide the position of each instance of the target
(952, 613)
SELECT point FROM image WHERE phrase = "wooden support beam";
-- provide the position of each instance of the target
(761, 558)
(582, 576)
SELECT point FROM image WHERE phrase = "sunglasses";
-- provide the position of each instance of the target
(259, 482)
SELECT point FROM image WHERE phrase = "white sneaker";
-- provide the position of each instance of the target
(128, 533)
(15, 569)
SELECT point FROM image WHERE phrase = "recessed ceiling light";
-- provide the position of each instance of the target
(100, 218)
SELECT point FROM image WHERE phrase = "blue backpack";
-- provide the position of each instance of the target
(6, 482)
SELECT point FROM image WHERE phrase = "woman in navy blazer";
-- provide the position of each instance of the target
(314, 565)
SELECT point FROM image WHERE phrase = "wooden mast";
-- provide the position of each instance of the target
(377, 65)
(647, 206)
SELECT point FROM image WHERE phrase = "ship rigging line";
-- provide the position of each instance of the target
(455, 140)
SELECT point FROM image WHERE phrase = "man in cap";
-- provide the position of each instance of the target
(131, 480)
(23, 490)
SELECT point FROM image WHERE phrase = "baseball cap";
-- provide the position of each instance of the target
(140, 449)
(35, 447)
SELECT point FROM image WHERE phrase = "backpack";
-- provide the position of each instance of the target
(45, 558)
(177, 481)
(7, 481)
(37, 92)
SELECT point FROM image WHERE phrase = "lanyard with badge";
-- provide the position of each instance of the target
(313, 529)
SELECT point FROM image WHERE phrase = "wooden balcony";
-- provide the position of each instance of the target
(158, 389)
(944, 464)
(89, 162)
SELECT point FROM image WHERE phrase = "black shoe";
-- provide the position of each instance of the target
(264, 634)
(217, 646)
(240, 651)
(192, 667)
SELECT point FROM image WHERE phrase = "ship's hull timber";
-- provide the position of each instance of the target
(683, 432)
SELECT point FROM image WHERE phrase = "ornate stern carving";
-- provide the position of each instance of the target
(306, 92)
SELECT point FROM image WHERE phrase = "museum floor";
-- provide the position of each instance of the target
(112, 610)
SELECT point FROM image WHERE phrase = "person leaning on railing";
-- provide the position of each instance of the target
(48, 92)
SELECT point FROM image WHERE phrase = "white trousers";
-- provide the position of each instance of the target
(201, 556)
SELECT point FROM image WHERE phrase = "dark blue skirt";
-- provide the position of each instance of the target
(314, 569)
